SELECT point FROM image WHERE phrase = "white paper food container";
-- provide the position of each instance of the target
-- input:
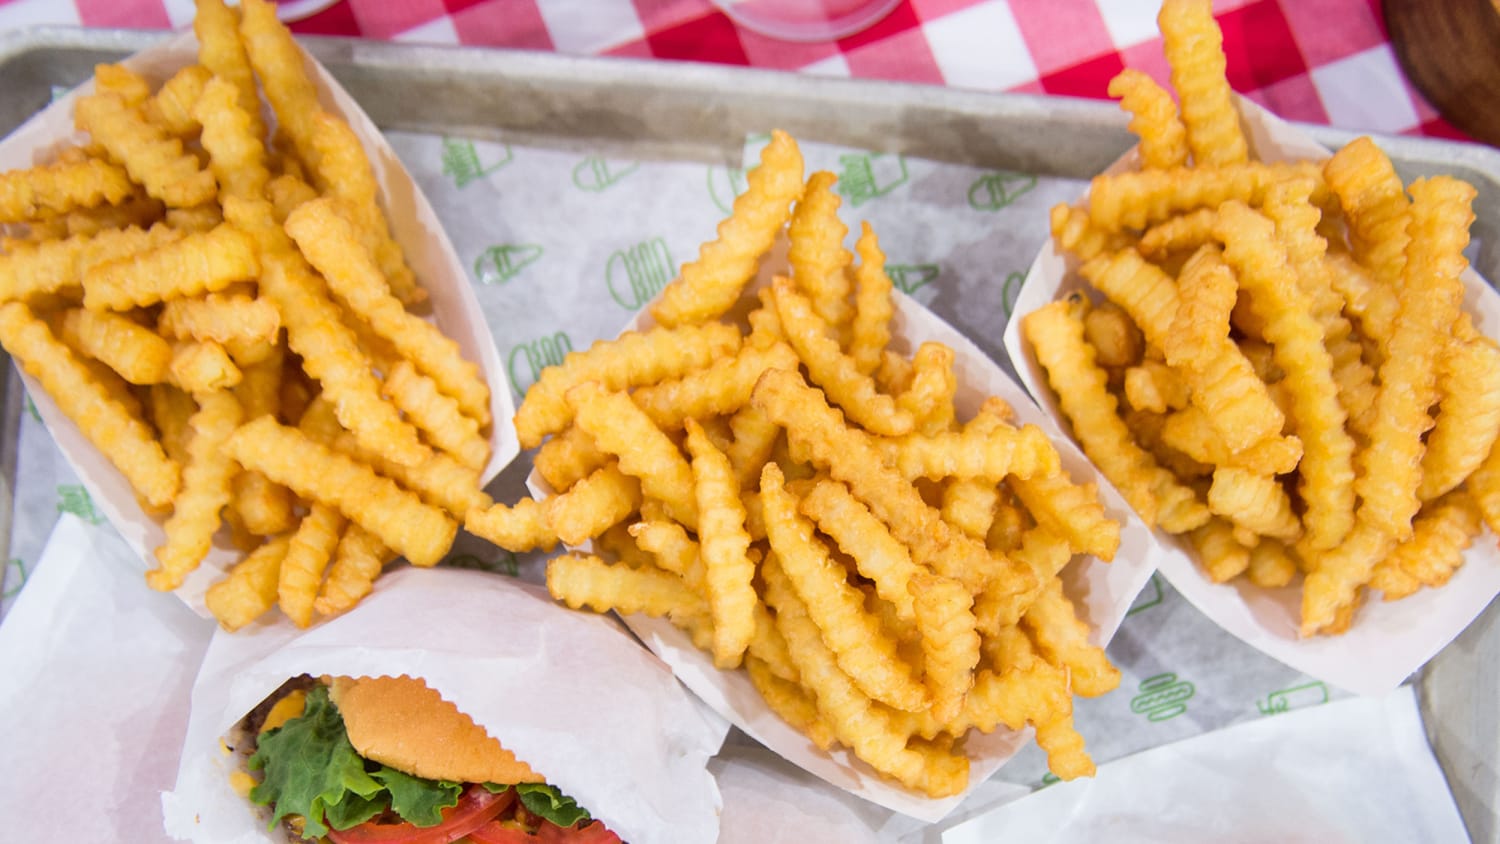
(414, 225)
(1102, 591)
(1388, 641)
(569, 693)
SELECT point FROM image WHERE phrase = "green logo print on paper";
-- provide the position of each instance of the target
(637, 273)
(1049, 778)
(75, 499)
(32, 411)
(724, 185)
(462, 162)
(529, 359)
(1162, 697)
(595, 173)
(499, 264)
(994, 191)
(20, 567)
(1296, 697)
(504, 564)
(910, 278)
(1150, 596)
(871, 174)
(1010, 290)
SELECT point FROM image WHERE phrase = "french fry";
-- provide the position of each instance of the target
(221, 317)
(819, 260)
(950, 643)
(60, 188)
(1140, 199)
(1063, 640)
(279, 65)
(196, 264)
(309, 553)
(520, 527)
(205, 491)
(567, 458)
(136, 353)
(122, 438)
(222, 53)
(250, 588)
(724, 547)
(594, 504)
(870, 332)
(929, 399)
(436, 415)
(202, 367)
(587, 581)
(417, 531)
(171, 107)
(621, 428)
(357, 561)
(1194, 49)
(152, 159)
(1153, 118)
(709, 286)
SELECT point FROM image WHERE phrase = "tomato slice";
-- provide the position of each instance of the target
(592, 832)
(476, 807)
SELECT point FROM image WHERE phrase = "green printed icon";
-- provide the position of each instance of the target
(463, 163)
(724, 184)
(1151, 595)
(31, 409)
(595, 173)
(1296, 697)
(910, 278)
(868, 175)
(1010, 290)
(17, 564)
(527, 360)
(1049, 778)
(499, 264)
(1162, 697)
(504, 564)
(994, 191)
(75, 499)
(637, 273)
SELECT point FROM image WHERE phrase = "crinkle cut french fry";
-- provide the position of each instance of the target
(265, 508)
(34, 272)
(1153, 119)
(356, 563)
(1271, 564)
(834, 371)
(250, 588)
(279, 64)
(287, 193)
(137, 353)
(853, 459)
(950, 642)
(989, 455)
(621, 428)
(332, 246)
(220, 317)
(232, 136)
(152, 158)
(1182, 233)
(1431, 297)
(222, 53)
(871, 329)
(436, 415)
(631, 360)
(170, 410)
(171, 107)
(60, 188)
(568, 457)
(1076, 232)
(1326, 471)
(1441, 533)
(205, 491)
(581, 580)
(722, 388)
(709, 286)
(856, 721)
(519, 527)
(1072, 510)
(819, 260)
(123, 82)
(1040, 556)
(1139, 199)
(438, 479)
(1190, 432)
(790, 701)
(1333, 586)
(1468, 418)
(330, 354)
(125, 440)
(1375, 206)
(417, 531)
(203, 367)
(1194, 49)
(594, 504)
(1255, 502)
(723, 546)
(930, 398)
(861, 648)
(755, 437)
(1063, 640)
(308, 554)
(1156, 387)
(344, 171)
(198, 263)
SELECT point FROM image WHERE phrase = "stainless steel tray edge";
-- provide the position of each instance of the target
(703, 112)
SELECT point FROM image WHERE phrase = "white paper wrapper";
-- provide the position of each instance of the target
(1388, 641)
(414, 225)
(1102, 592)
(97, 671)
(1268, 780)
(568, 692)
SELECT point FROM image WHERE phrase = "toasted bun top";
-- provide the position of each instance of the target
(400, 722)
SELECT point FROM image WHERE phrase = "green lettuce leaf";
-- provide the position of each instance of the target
(310, 766)
(546, 801)
(417, 800)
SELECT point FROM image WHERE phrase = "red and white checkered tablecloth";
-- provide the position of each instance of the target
(1320, 61)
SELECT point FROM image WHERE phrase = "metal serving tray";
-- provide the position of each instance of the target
(703, 112)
